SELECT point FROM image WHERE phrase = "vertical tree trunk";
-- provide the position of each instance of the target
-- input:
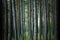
(55, 18)
(18, 17)
(11, 20)
(14, 19)
(2, 20)
(22, 7)
(29, 19)
(30, 15)
(6, 19)
(21, 12)
(47, 20)
(35, 22)
(41, 18)
(19, 20)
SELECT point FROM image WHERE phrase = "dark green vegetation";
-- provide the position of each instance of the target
(29, 20)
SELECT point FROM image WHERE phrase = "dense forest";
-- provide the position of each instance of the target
(29, 20)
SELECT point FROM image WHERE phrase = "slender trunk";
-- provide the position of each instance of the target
(35, 22)
(11, 20)
(30, 15)
(6, 19)
(47, 20)
(22, 7)
(14, 19)
(2, 20)
(17, 16)
(19, 21)
(41, 18)
(55, 18)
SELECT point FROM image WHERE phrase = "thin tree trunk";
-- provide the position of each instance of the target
(47, 20)
(22, 19)
(17, 16)
(49, 12)
(55, 18)
(41, 18)
(19, 21)
(4, 4)
(21, 12)
(2, 20)
(6, 19)
(14, 19)
(35, 22)
(11, 20)
(30, 20)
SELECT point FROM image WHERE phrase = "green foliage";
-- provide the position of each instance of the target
(27, 36)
